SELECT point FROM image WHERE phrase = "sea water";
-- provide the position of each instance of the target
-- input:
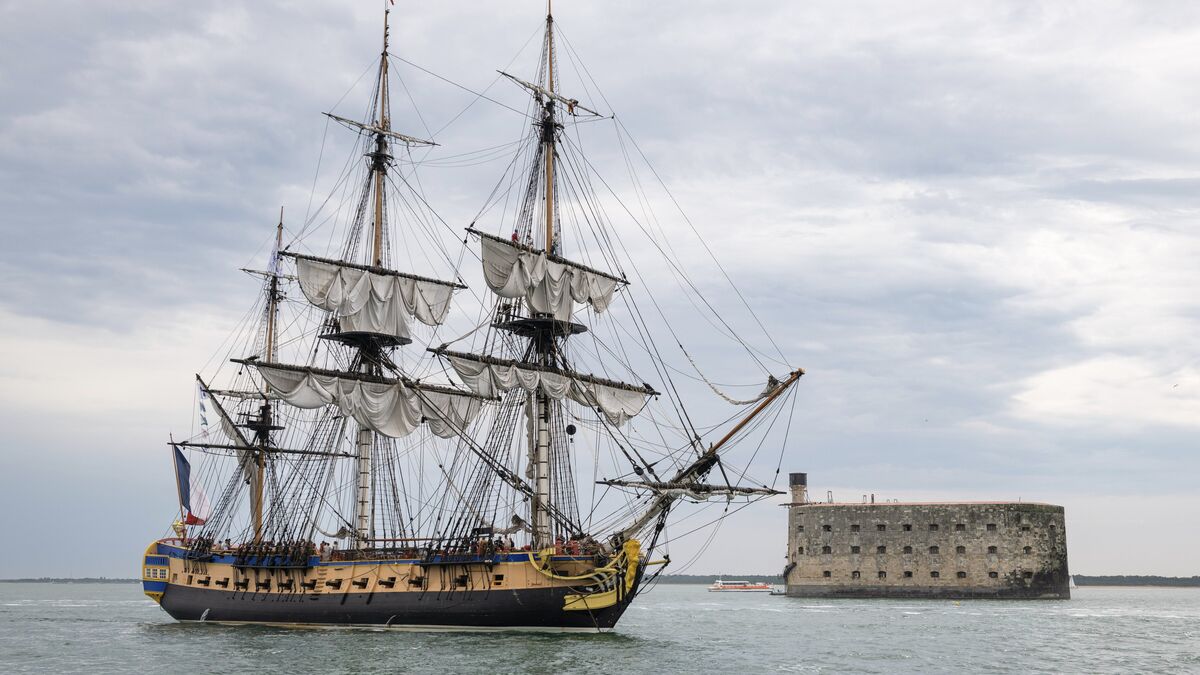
(113, 628)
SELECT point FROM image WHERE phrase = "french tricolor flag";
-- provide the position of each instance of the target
(196, 508)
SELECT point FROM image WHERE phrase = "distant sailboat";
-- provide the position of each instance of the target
(1071, 582)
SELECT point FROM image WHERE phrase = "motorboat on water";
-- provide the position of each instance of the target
(739, 586)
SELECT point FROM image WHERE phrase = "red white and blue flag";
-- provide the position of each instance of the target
(196, 508)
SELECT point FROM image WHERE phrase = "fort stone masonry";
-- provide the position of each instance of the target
(1003, 550)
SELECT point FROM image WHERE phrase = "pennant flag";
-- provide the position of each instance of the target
(191, 497)
(273, 265)
(203, 410)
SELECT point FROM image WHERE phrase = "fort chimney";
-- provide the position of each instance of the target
(799, 484)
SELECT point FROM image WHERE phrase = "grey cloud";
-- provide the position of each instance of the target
(880, 179)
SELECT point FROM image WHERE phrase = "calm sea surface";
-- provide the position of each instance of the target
(113, 628)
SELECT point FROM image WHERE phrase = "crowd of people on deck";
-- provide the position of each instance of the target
(482, 547)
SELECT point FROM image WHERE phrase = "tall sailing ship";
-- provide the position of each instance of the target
(342, 475)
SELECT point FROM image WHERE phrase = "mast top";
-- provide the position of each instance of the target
(386, 27)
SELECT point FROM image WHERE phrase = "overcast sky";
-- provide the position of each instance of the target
(973, 224)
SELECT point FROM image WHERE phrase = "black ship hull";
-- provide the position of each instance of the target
(510, 609)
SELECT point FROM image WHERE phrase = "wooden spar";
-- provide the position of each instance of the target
(384, 123)
(549, 133)
(260, 460)
(364, 441)
(272, 301)
(256, 495)
(689, 487)
(706, 460)
(754, 413)
(282, 451)
(244, 446)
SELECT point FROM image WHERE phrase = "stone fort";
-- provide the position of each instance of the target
(924, 550)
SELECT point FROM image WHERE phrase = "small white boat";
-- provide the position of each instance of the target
(739, 586)
(1071, 582)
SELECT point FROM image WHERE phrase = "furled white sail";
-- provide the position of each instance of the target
(550, 287)
(393, 409)
(370, 302)
(618, 403)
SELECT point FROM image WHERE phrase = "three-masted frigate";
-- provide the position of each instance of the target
(356, 479)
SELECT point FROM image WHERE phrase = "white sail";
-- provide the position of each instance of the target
(618, 402)
(370, 302)
(549, 286)
(393, 409)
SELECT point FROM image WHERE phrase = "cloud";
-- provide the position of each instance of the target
(1113, 391)
(972, 224)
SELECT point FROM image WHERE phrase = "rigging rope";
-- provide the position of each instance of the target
(772, 384)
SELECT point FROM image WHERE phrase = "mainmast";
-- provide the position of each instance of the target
(548, 324)
(370, 351)
(379, 158)
(548, 130)
(543, 342)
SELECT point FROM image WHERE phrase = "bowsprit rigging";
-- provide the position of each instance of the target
(363, 470)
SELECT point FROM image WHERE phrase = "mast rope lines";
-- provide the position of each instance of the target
(772, 383)
(700, 468)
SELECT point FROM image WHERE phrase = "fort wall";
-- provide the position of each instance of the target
(942, 550)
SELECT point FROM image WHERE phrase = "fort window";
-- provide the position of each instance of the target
(882, 574)
(991, 527)
(799, 550)
(1029, 575)
(960, 549)
(934, 550)
(827, 528)
(1025, 528)
(934, 575)
(933, 527)
(854, 528)
(908, 549)
(907, 527)
(959, 527)
(881, 527)
(993, 575)
(992, 550)
(826, 549)
(826, 574)
(908, 574)
(881, 549)
(855, 574)
(799, 528)
(854, 549)
(962, 575)
(1027, 550)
